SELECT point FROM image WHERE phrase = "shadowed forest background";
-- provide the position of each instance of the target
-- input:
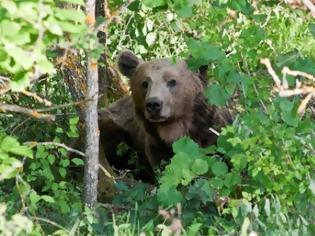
(258, 179)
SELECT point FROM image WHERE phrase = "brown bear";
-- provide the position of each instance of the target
(167, 102)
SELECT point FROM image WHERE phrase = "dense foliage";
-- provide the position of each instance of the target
(258, 179)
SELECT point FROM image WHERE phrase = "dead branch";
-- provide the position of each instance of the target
(69, 149)
(310, 5)
(295, 73)
(37, 98)
(300, 89)
(32, 113)
(70, 104)
(5, 85)
(174, 217)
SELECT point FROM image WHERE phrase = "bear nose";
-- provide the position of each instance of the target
(153, 105)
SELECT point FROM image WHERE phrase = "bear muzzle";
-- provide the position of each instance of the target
(154, 108)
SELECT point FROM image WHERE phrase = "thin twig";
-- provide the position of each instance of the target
(107, 173)
(273, 74)
(32, 113)
(295, 73)
(4, 84)
(65, 105)
(214, 131)
(51, 223)
(36, 97)
(69, 149)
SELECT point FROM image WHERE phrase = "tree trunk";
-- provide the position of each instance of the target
(91, 120)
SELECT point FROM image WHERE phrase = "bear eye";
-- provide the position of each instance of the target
(172, 83)
(145, 84)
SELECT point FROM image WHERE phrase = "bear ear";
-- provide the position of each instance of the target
(127, 63)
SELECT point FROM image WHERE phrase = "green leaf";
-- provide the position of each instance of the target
(219, 168)
(20, 84)
(287, 59)
(9, 28)
(187, 146)
(154, 3)
(62, 172)
(216, 183)
(64, 163)
(78, 161)
(20, 56)
(23, 37)
(187, 176)
(200, 167)
(10, 6)
(134, 5)
(253, 35)
(232, 179)
(217, 95)
(185, 11)
(242, 6)
(202, 53)
(200, 190)
(23, 151)
(53, 26)
(239, 161)
(194, 229)
(45, 66)
(170, 197)
(47, 198)
(34, 197)
(71, 28)
(9, 143)
(71, 15)
(74, 120)
(289, 112)
(51, 159)
(311, 28)
(79, 2)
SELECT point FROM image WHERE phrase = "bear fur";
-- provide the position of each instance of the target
(167, 102)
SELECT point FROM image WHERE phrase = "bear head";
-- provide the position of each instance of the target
(163, 91)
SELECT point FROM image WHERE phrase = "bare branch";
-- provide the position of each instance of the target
(5, 85)
(296, 73)
(106, 173)
(70, 104)
(300, 89)
(33, 113)
(306, 100)
(310, 5)
(36, 97)
(69, 149)
(271, 71)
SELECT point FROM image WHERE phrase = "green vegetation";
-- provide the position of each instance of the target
(258, 180)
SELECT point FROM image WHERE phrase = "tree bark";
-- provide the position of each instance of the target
(91, 120)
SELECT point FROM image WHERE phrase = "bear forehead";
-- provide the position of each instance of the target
(162, 67)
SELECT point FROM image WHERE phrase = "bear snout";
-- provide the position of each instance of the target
(154, 106)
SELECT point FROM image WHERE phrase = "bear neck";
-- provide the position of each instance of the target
(203, 119)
